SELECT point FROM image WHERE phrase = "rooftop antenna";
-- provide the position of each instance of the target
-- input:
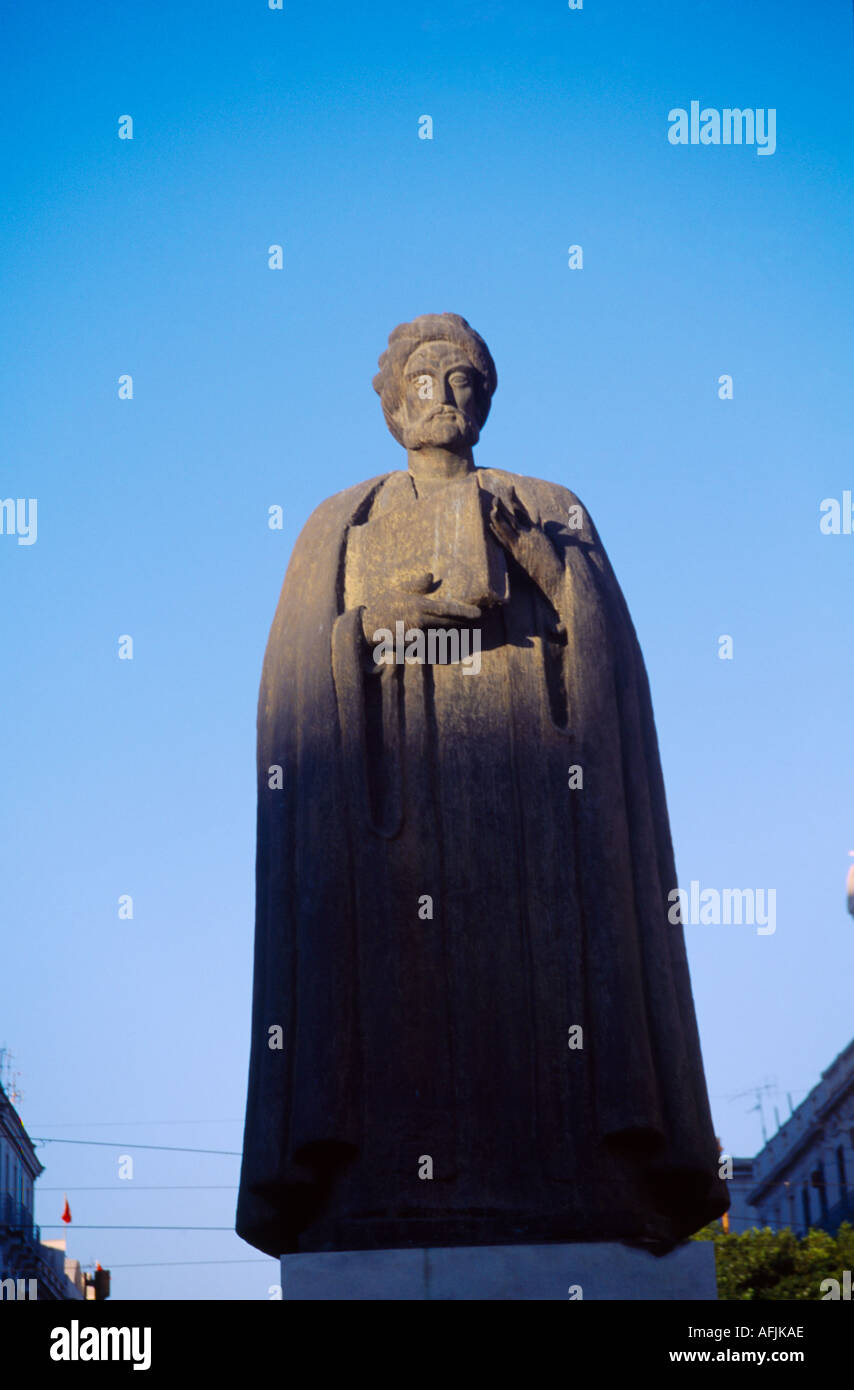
(9, 1079)
(757, 1092)
(758, 1106)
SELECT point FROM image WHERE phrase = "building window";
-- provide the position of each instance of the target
(805, 1199)
(840, 1169)
(817, 1180)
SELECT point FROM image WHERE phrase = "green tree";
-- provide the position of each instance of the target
(778, 1265)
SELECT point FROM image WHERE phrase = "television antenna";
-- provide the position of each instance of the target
(9, 1079)
(758, 1092)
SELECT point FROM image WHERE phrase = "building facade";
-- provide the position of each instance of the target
(804, 1175)
(28, 1268)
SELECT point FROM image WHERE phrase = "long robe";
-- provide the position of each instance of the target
(438, 906)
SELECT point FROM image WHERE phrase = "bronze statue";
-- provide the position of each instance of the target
(472, 1019)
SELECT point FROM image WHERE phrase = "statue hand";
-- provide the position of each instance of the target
(414, 606)
(506, 504)
(522, 538)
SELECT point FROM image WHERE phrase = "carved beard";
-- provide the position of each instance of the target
(448, 428)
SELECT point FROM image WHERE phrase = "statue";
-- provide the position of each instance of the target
(472, 1020)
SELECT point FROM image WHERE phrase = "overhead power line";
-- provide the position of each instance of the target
(121, 1124)
(129, 1185)
(121, 1144)
(171, 1264)
(57, 1226)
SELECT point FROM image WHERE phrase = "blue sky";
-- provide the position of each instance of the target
(252, 387)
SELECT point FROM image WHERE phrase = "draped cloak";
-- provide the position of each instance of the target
(437, 906)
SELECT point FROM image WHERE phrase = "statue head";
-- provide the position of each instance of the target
(436, 381)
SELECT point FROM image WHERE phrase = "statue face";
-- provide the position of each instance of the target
(438, 399)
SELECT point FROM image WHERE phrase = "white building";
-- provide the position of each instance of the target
(804, 1176)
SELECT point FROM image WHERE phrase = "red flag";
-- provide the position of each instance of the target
(66, 1215)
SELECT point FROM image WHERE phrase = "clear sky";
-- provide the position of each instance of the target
(252, 387)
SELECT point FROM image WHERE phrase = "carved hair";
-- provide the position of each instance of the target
(432, 328)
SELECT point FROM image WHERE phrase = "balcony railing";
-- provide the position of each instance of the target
(18, 1219)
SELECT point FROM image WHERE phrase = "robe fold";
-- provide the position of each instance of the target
(437, 906)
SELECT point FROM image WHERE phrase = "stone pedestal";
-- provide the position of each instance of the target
(494, 1272)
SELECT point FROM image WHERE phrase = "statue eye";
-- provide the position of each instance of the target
(458, 379)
